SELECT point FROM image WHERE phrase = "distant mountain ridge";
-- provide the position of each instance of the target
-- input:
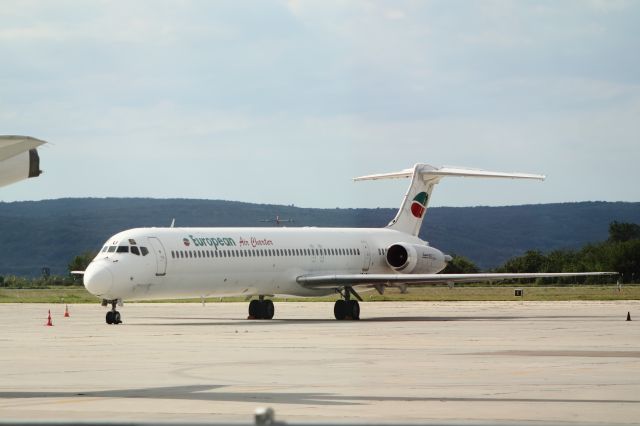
(49, 233)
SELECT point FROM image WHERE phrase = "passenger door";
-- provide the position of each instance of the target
(161, 257)
(366, 257)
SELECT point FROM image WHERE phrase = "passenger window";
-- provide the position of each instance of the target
(123, 249)
(181, 254)
(358, 252)
(135, 251)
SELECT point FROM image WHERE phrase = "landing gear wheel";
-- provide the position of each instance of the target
(353, 309)
(346, 309)
(261, 309)
(268, 309)
(113, 316)
(254, 309)
(340, 309)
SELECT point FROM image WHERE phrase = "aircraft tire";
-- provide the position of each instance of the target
(340, 309)
(117, 319)
(268, 309)
(110, 317)
(255, 309)
(353, 309)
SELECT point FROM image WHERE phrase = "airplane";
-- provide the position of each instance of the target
(19, 158)
(277, 220)
(167, 263)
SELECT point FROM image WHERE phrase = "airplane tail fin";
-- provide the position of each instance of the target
(423, 179)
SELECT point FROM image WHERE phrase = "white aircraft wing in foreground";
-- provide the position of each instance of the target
(167, 263)
(19, 158)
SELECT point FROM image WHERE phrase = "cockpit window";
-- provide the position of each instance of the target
(144, 251)
(112, 249)
(135, 250)
(104, 248)
(123, 249)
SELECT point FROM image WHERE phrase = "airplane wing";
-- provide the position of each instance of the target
(341, 280)
(19, 158)
(14, 145)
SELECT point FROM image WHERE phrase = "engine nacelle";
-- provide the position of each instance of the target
(21, 166)
(415, 259)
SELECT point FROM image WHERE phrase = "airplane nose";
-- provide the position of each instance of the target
(98, 279)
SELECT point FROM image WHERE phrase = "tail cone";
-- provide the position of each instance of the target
(49, 322)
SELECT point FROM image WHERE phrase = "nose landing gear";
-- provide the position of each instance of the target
(113, 316)
(346, 308)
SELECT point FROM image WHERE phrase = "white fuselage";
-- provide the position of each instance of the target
(202, 262)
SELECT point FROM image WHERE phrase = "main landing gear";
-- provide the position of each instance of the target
(261, 309)
(113, 316)
(346, 308)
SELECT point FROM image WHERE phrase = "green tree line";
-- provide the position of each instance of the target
(619, 253)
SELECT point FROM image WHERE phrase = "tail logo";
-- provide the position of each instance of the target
(419, 205)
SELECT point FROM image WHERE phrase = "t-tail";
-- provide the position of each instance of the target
(423, 179)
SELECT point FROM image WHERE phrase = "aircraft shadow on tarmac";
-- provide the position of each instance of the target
(213, 393)
(187, 321)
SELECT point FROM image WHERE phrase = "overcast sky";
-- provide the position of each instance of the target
(285, 101)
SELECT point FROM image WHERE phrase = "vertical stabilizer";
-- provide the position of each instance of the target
(423, 178)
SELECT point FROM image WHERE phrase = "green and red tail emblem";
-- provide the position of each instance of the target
(419, 204)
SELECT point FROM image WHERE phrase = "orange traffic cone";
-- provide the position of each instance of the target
(49, 323)
(66, 311)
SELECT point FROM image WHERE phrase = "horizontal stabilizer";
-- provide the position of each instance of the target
(427, 171)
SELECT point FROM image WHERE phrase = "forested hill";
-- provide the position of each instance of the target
(50, 233)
